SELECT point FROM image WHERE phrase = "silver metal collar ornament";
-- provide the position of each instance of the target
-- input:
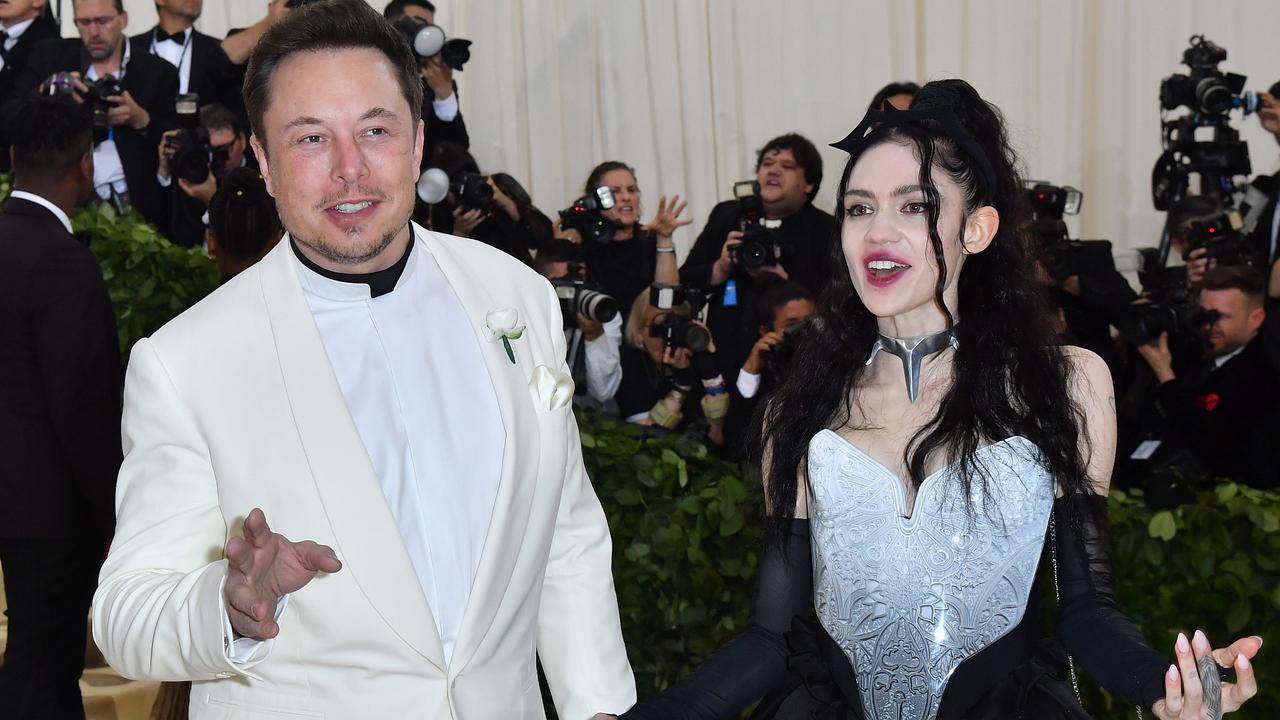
(912, 351)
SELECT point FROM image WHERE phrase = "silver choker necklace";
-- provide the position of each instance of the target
(912, 351)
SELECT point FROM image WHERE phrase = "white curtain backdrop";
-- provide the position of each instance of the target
(687, 90)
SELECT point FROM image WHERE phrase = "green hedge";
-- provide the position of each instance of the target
(150, 279)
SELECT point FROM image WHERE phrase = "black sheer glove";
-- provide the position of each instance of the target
(753, 663)
(1090, 624)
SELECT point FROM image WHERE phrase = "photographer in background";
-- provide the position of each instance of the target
(440, 110)
(494, 209)
(199, 159)
(624, 255)
(133, 119)
(786, 310)
(592, 326)
(24, 23)
(1266, 232)
(1224, 411)
(669, 359)
(788, 173)
(203, 67)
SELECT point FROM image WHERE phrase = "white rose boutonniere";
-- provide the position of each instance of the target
(503, 324)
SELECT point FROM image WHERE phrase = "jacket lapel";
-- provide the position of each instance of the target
(367, 538)
(520, 453)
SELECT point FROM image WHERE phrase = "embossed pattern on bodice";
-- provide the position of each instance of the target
(910, 598)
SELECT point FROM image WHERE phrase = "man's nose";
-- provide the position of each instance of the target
(348, 160)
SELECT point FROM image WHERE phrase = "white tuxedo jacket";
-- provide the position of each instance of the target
(233, 405)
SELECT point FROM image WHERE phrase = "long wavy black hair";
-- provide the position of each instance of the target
(1010, 378)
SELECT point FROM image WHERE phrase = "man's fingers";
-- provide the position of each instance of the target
(256, 529)
(317, 557)
(246, 626)
(239, 555)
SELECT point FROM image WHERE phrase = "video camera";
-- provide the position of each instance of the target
(761, 246)
(1210, 95)
(1220, 234)
(577, 296)
(429, 40)
(678, 330)
(1172, 307)
(64, 83)
(584, 215)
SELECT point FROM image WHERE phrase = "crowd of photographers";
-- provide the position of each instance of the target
(693, 347)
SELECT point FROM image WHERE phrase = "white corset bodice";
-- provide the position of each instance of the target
(910, 598)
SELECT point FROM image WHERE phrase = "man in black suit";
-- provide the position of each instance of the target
(440, 110)
(125, 164)
(1225, 410)
(203, 67)
(23, 23)
(1265, 237)
(59, 412)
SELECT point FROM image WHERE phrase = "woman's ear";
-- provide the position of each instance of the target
(980, 229)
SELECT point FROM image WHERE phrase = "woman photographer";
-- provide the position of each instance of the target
(669, 376)
(634, 255)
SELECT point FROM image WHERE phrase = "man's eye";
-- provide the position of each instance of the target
(310, 139)
(377, 131)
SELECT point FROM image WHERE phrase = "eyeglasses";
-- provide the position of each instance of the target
(102, 22)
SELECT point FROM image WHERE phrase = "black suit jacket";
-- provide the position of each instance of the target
(152, 82)
(1260, 239)
(213, 77)
(43, 28)
(1227, 417)
(60, 394)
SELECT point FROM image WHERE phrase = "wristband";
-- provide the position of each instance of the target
(667, 250)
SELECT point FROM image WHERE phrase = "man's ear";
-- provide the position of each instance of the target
(264, 167)
(980, 229)
(86, 166)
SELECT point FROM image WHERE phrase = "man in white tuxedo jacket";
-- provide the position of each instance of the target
(395, 404)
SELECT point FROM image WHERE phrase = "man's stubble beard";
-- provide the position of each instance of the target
(355, 255)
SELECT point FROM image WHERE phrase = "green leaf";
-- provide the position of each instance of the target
(1238, 615)
(1226, 491)
(1162, 526)
(627, 497)
(1264, 518)
(588, 440)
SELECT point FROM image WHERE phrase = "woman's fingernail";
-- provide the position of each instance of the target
(1172, 675)
(1202, 642)
(1259, 639)
(1182, 645)
(1242, 662)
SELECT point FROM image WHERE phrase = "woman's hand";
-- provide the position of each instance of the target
(1192, 689)
(466, 220)
(667, 221)
(502, 200)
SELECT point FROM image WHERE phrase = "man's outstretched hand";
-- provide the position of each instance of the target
(262, 568)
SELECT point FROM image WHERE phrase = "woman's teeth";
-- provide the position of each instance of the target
(349, 208)
(885, 265)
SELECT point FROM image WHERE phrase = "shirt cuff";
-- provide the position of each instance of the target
(164, 181)
(748, 384)
(240, 651)
(446, 109)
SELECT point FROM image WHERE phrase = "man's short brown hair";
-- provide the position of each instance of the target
(1237, 277)
(330, 25)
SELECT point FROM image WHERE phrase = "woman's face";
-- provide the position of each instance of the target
(626, 196)
(885, 239)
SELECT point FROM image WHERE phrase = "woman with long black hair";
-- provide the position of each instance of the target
(931, 460)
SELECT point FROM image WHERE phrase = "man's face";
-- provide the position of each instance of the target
(15, 11)
(231, 141)
(340, 153)
(1238, 322)
(420, 12)
(782, 185)
(186, 9)
(793, 313)
(100, 26)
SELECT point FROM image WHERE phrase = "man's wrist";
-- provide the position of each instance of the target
(142, 120)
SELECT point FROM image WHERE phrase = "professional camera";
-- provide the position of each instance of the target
(1064, 257)
(577, 296)
(1172, 306)
(677, 330)
(1210, 95)
(429, 40)
(472, 191)
(95, 99)
(584, 216)
(1221, 236)
(761, 246)
(194, 156)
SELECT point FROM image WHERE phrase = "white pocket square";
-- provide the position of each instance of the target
(551, 388)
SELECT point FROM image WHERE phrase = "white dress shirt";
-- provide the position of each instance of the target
(446, 109)
(108, 170)
(410, 367)
(603, 361)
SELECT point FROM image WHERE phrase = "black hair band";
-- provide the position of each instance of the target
(944, 116)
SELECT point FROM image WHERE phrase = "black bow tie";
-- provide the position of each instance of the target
(178, 37)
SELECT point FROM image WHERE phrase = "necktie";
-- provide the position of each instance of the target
(178, 37)
(4, 45)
